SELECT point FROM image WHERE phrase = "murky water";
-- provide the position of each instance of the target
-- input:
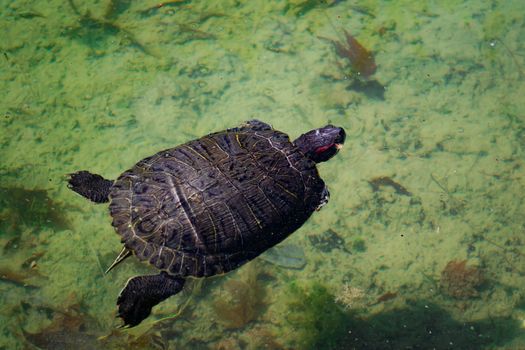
(421, 245)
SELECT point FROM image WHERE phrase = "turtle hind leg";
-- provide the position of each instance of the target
(92, 186)
(141, 293)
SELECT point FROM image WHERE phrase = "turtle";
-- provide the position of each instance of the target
(210, 205)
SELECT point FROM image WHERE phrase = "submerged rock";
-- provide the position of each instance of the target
(287, 255)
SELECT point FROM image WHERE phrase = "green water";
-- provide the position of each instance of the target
(430, 181)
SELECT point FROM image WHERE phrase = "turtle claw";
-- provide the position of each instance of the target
(123, 326)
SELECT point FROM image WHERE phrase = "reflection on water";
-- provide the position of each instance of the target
(421, 243)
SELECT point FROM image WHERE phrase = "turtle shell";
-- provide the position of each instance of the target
(210, 205)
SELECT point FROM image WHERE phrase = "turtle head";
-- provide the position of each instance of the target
(321, 144)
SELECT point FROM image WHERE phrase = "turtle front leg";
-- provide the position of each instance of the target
(325, 196)
(141, 293)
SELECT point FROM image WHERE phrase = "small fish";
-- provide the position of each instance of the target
(17, 278)
(380, 181)
(386, 297)
(383, 298)
(150, 10)
(30, 15)
(361, 60)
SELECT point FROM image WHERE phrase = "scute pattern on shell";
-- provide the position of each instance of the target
(212, 204)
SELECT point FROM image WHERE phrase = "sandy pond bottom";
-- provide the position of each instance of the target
(421, 244)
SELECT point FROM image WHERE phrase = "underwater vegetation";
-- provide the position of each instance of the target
(254, 338)
(461, 281)
(303, 7)
(116, 7)
(94, 31)
(240, 300)
(23, 215)
(449, 203)
(328, 241)
(350, 297)
(65, 332)
(67, 327)
(494, 26)
(388, 196)
(510, 251)
(100, 32)
(359, 245)
(70, 327)
(319, 323)
(263, 338)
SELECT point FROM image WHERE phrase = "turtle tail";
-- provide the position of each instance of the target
(92, 186)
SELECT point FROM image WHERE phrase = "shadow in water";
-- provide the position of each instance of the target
(30, 208)
(425, 325)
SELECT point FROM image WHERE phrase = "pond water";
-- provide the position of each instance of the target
(422, 243)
